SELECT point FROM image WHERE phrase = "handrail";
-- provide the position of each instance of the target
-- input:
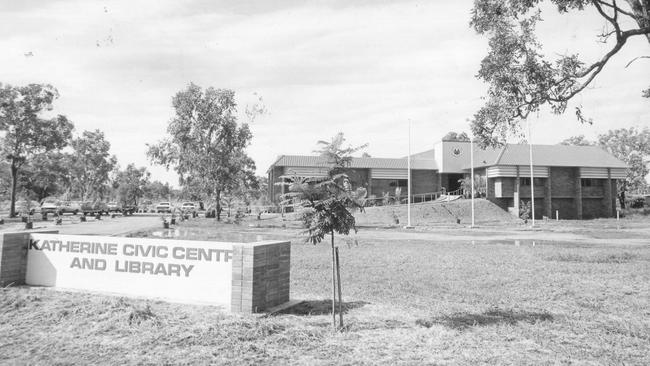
(415, 198)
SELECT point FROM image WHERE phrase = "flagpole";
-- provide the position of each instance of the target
(408, 199)
(471, 163)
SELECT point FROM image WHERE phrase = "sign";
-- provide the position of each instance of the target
(183, 270)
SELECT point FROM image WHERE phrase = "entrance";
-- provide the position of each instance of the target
(453, 182)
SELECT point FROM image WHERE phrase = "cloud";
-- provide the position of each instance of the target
(361, 67)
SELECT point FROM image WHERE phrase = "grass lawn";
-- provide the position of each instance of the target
(408, 301)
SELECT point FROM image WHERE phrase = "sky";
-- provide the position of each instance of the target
(364, 68)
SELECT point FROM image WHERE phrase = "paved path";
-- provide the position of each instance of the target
(106, 226)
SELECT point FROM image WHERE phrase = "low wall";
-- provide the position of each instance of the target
(242, 277)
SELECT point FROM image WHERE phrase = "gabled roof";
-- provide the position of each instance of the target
(358, 163)
(546, 155)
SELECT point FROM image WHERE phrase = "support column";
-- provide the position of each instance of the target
(608, 194)
(516, 194)
(578, 193)
(548, 198)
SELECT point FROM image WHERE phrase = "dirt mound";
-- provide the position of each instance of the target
(423, 214)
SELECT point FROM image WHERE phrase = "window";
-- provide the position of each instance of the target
(591, 182)
(399, 183)
(526, 181)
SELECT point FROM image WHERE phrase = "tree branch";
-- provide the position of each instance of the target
(634, 59)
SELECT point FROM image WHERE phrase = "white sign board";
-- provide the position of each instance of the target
(179, 270)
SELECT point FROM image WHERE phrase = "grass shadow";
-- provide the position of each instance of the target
(601, 258)
(321, 307)
(463, 321)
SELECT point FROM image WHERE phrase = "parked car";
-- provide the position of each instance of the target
(163, 207)
(50, 206)
(73, 207)
(114, 207)
(188, 207)
(92, 208)
(146, 206)
(24, 208)
(129, 209)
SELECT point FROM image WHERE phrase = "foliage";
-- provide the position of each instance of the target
(46, 175)
(91, 164)
(480, 186)
(157, 190)
(632, 146)
(524, 210)
(579, 140)
(26, 134)
(132, 183)
(456, 136)
(521, 79)
(205, 145)
(327, 201)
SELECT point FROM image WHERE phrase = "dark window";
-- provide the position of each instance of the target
(591, 182)
(399, 183)
(526, 181)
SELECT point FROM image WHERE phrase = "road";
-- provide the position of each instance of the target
(72, 225)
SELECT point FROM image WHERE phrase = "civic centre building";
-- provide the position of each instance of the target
(576, 182)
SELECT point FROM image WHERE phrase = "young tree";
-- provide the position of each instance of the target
(327, 202)
(92, 163)
(205, 144)
(521, 79)
(26, 133)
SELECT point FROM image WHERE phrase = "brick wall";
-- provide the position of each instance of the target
(566, 206)
(562, 182)
(424, 181)
(260, 276)
(593, 208)
(13, 257)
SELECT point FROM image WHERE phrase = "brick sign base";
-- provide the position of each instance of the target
(258, 272)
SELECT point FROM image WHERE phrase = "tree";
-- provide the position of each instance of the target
(327, 203)
(521, 79)
(157, 190)
(91, 164)
(26, 133)
(46, 175)
(456, 136)
(205, 144)
(632, 146)
(579, 140)
(131, 184)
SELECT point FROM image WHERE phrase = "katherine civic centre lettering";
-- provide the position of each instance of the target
(182, 270)
(150, 267)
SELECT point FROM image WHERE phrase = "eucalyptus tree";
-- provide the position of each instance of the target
(521, 79)
(26, 133)
(91, 164)
(206, 145)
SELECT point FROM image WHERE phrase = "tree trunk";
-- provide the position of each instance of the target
(14, 188)
(333, 283)
(338, 282)
(218, 205)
